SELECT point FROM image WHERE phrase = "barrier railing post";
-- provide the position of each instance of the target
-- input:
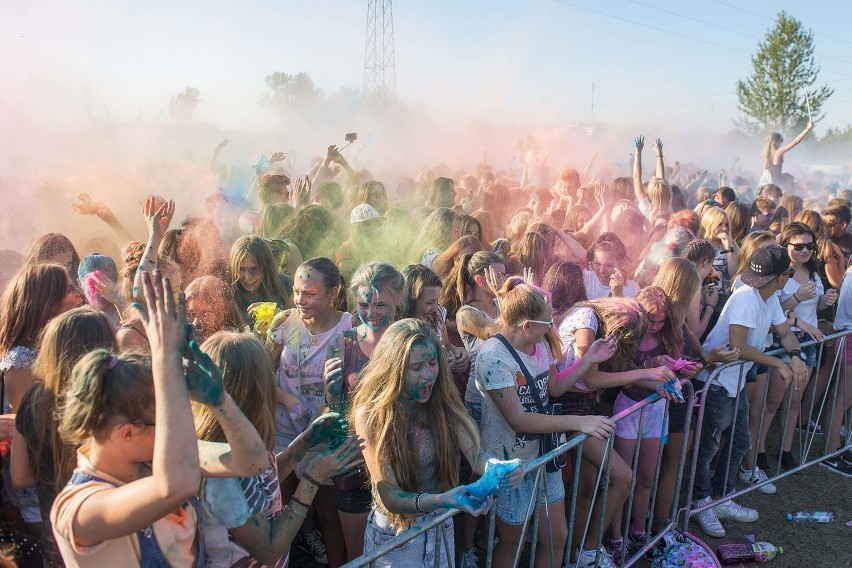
(575, 485)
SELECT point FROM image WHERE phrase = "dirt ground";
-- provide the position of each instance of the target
(805, 545)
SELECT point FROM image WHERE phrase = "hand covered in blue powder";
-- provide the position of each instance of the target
(498, 474)
(461, 498)
(673, 387)
(203, 377)
(329, 428)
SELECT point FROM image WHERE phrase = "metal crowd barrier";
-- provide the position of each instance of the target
(836, 382)
(678, 519)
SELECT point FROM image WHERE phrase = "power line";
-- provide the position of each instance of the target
(655, 28)
(691, 19)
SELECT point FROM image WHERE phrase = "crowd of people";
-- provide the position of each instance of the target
(326, 363)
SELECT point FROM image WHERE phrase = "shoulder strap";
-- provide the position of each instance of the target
(537, 394)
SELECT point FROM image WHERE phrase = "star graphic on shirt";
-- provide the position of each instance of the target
(519, 442)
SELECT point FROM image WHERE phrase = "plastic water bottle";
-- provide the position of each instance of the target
(730, 554)
(811, 517)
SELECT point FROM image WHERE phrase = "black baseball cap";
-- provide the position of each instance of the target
(764, 265)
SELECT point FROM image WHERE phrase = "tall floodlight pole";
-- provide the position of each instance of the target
(379, 63)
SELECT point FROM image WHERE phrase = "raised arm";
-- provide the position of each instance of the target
(795, 142)
(638, 189)
(213, 166)
(661, 167)
(157, 218)
(88, 206)
(175, 473)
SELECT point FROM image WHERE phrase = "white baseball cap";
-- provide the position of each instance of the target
(363, 212)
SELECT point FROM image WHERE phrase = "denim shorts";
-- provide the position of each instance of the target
(513, 504)
(654, 424)
(810, 352)
(417, 553)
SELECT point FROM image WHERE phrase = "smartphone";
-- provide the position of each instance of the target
(351, 136)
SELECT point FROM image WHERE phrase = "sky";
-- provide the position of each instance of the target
(658, 60)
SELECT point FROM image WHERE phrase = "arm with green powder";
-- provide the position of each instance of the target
(157, 218)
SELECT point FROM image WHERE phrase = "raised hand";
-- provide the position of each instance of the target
(158, 216)
(492, 281)
(88, 206)
(528, 275)
(277, 157)
(203, 377)
(658, 146)
(222, 144)
(163, 319)
(301, 194)
(639, 142)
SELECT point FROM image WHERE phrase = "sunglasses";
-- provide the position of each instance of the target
(799, 247)
(549, 324)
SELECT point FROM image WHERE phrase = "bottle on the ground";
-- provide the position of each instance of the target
(730, 554)
(811, 517)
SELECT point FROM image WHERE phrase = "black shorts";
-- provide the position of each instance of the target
(578, 403)
(355, 501)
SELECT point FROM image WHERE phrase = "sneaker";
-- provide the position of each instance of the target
(762, 461)
(837, 465)
(313, 545)
(618, 551)
(469, 559)
(708, 520)
(586, 559)
(788, 462)
(755, 477)
(733, 510)
(847, 456)
(811, 428)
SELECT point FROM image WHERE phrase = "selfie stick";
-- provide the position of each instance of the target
(808, 102)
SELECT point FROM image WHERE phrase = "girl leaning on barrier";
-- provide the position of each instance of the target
(407, 409)
(624, 321)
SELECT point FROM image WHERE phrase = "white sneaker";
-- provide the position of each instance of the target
(586, 559)
(735, 511)
(759, 476)
(843, 431)
(708, 520)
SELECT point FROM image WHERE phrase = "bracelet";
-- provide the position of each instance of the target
(299, 502)
(726, 251)
(329, 405)
(795, 297)
(711, 306)
(417, 502)
(310, 479)
(295, 512)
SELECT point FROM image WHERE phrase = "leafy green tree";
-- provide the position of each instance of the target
(291, 92)
(773, 97)
(182, 106)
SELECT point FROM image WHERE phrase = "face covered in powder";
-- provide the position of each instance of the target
(376, 308)
(422, 371)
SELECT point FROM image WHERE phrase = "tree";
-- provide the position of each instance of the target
(773, 97)
(182, 106)
(291, 92)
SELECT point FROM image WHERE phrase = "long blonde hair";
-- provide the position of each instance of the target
(660, 195)
(739, 220)
(624, 318)
(711, 219)
(66, 338)
(387, 425)
(248, 376)
(679, 279)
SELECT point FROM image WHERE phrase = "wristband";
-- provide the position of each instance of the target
(417, 503)
(311, 480)
(726, 251)
(795, 297)
(297, 501)
(798, 353)
(295, 512)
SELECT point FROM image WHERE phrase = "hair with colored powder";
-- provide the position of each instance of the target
(564, 281)
(377, 401)
(520, 301)
(380, 278)
(272, 218)
(679, 278)
(51, 248)
(625, 319)
(653, 299)
(271, 289)
(417, 279)
(331, 279)
(447, 259)
(100, 398)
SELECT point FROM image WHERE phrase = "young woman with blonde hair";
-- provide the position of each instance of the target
(244, 519)
(39, 457)
(715, 229)
(254, 275)
(772, 155)
(739, 220)
(624, 322)
(414, 427)
(139, 460)
(444, 264)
